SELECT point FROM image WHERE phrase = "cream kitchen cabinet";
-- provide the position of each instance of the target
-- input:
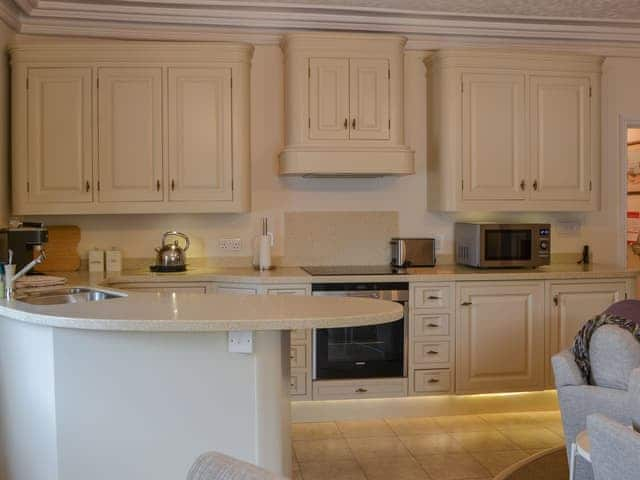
(56, 111)
(130, 127)
(500, 331)
(571, 303)
(513, 131)
(129, 134)
(344, 105)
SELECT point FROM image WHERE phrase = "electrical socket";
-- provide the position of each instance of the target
(439, 240)
(233, 244)
(241, 342)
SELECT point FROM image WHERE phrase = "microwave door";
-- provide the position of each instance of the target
(506, 247)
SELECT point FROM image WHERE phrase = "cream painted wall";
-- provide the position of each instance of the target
(6, 37)
(136, 235)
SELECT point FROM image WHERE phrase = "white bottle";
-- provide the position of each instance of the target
(264, 246)
(114, 260)
(96, 260)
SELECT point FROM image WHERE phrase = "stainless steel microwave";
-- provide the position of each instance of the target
(500, 245)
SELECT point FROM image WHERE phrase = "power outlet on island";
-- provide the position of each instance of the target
(232, 244)
(241, 342)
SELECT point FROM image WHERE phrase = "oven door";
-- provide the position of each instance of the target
(507, 246)
(360, 352)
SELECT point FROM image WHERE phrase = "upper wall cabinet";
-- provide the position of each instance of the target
(130, 127)
(344, 106)
(513, 131)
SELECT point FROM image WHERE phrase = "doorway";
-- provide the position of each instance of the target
(633, 196)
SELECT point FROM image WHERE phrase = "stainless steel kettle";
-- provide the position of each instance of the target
(171, 254)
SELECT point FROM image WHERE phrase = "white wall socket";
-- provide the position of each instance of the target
(233, 244)
(241, 342)
(439, 240)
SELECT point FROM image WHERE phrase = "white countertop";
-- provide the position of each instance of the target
(194, 312)
(292, 275)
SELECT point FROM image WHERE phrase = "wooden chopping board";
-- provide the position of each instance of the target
(61, 249)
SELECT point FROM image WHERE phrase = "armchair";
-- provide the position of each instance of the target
(615, 449)
(216, 466)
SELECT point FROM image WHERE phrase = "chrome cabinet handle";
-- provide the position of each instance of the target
(353, 123)
(434, 297)
(434, 380)
(433, 325)
(87, 186)
(433, 352)
(157, 185)
(346, 123)
(535, 185)
(173, 185)
(555, 300)
(466, 304)
(522, 185)
(361, 390)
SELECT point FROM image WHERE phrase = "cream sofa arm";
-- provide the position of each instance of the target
(566, 370)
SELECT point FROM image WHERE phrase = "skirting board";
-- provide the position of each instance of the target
(438, 405)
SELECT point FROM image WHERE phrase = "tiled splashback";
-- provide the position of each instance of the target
(338, 238)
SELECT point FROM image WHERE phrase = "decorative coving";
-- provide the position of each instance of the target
(263, 22)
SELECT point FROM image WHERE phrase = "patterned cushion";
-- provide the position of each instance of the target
(614, 352)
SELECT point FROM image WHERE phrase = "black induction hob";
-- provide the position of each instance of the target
(353, 270)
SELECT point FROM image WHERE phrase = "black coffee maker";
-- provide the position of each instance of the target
(22, 241)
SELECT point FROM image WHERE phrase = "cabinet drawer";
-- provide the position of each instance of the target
(298, 384)
(425, 325)
(371, 388)
(433, 296)
(298, 356)
(286, 291)
(437, 381)
(237, 290)
(431, 353)
(298, 336)
(168, 289)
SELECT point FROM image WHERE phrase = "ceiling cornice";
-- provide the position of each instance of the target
(264, 23)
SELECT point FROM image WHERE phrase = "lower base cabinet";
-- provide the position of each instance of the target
(500, 337)
(432, 381)
(361, 388)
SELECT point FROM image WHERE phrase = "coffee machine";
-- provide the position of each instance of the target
(22, 241)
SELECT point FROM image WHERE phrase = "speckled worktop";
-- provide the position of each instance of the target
(292, 275)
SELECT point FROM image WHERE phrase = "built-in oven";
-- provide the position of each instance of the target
(371, 351)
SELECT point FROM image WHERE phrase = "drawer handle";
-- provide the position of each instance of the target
(433, 325)
(291, 357)
(434, 380)
(466, 304)
(361, 390)
(434, 297)
(433, 352)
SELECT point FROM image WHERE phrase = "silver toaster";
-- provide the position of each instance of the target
(413, 252)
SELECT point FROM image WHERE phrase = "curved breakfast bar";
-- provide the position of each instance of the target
(137, 386)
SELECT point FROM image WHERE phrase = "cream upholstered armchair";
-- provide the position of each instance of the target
(216, 466)
(615, 449)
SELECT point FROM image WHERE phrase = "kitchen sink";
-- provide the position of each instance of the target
(60, 296)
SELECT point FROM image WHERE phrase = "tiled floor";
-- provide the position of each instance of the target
(436, 448)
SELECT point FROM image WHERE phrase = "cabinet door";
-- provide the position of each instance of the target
(369, 99)
(329, 98)
(493, 137)
(500, 337)
(130, 134)
(59, 135)
(572, 304)
(200, 155)
(560, 138)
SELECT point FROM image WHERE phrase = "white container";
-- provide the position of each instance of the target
(114, 260)
(96, 260)
(265, 252)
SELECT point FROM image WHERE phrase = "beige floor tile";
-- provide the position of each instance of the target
(402, 468)
(328, 450)
(413, 425)
(314, 431)
(509, 420)
(546, 417)
(420, 445)
(463, 423)
(527, 438)
(453, 466)
(338, 470)
(492, 441)
(557, 429)
(495, 462)
(377, 447)
(364, 428)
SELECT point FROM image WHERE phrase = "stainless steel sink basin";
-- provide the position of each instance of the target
(60, 296)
